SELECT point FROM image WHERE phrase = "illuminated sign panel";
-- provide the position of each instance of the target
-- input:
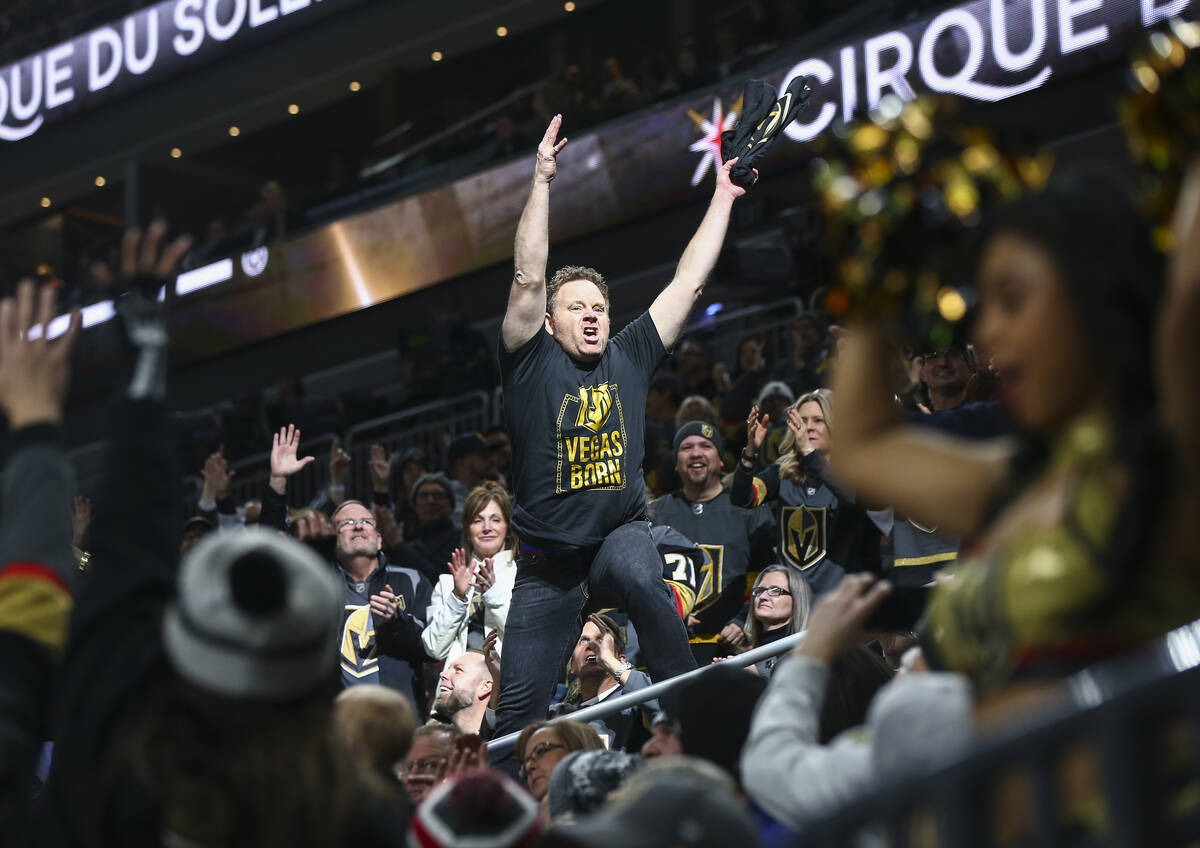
(141, 48)
(985, 50)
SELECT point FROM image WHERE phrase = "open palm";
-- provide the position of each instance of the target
(284, 444)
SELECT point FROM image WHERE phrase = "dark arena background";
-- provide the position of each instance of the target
(915, 415)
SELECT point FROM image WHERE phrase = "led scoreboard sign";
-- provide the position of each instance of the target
(144, 47)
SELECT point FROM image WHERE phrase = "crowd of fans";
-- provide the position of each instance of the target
(261, 674)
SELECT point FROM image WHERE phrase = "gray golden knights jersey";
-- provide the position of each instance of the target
(737, 543)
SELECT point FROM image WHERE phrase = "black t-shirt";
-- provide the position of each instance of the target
(578, 435)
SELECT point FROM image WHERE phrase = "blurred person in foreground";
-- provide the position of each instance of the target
(575, 408)
(195, 703)
(36, 560)
(376, 725)
(1084, 527)
(667, 804)
(424, 766)
(805, 757)
(583, 782)
(707, 717)
(481, 808)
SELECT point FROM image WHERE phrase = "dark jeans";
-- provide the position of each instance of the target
(545, 617)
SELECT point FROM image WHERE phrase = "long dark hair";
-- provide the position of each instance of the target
(1114, 278)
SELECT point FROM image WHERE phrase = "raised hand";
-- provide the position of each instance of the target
(389, 529)
(81, 517)
(799, 437)
(381, 468)
(34, 371)
(547, 152)
(485, 576)
(339, 465)
(284, 444)
(492, 656)
(461, 571)
(144, 266)
(756, 430)
(725, 185)
(217, 476)
(607, 653)
(470, 754)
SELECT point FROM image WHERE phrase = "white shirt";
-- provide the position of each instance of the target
(445, 636)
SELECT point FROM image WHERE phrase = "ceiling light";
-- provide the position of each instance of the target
(293, 109)
(176, 152)
(45, 203)
(569, 6)
(235, 132)
(502, 31)
(355, 85)
(436, 55)
(44, 270)
(100, 182)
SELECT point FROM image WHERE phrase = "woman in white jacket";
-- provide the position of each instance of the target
(481, 575)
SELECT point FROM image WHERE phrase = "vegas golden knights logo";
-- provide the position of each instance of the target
(359, 657)
(591, 440)
(804, 535)
(595, 403)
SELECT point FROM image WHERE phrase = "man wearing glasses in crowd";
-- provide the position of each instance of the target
(381, 636)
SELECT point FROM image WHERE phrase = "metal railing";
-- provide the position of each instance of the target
(429, 427)
(656, 690)
(1117, 764)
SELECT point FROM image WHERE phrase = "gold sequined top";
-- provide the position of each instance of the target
(1033, 598)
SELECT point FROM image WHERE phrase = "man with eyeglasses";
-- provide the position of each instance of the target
(426, 759)
(381, 638)
(945, 373)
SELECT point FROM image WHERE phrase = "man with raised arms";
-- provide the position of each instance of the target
(575, 403)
